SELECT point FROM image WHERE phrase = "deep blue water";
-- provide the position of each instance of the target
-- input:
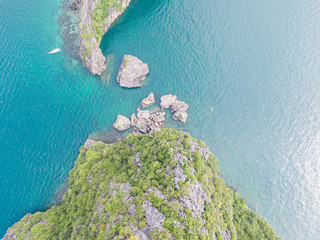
(256, 63)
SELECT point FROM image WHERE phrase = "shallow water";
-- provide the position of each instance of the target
(256, 63)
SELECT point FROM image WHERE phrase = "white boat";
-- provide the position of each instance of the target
(55, 51)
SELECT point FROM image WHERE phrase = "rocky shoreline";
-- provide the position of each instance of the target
(96, 16)
(146, 121)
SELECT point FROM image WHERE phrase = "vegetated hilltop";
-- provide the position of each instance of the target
(162, 185)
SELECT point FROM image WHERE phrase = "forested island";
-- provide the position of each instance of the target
(160, 185)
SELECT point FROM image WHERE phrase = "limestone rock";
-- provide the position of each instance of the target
(87, 145)
(90, 53)
(141, 126)
(148, 101)
(167, 101)
(132, 72)
(179, 106)
(122, 123)
(143, 115)
(134, 119)
(196, 199)
(180, 116)
(153, 216)
(179, 175)
(158, 117)
(148, 123)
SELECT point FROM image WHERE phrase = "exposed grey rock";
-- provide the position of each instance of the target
(148, 101)
(132, 209)
(155, 121)
(196, 199)
(9, 235)
(179, 175)
(180, 116)
(139, 233)
(138, 160)
(148, 123)
(179, 106)
(226, 234)
(205, 153)
(143, 115)
(166, 101)
(179, 224)
(125, 187)
(122, 123)
(179, 157)
(90, 53)
(134, 120)
(157, 117)
(89, 142)
(132, 72)
(153, 216)
(141, 126)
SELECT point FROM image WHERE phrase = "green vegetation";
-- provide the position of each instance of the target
(100, 13)
(110, 185)
(95, 29)
(127, 61)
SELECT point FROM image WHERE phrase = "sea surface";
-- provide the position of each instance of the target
(250, 71)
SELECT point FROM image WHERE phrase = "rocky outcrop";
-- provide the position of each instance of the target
(89, 142)
(166, 101)
(122, 123)
(96, 17)
(180, 116)
(134, 119)
(179, 106)
(154, 217)
(132, 72)
(148, 101)
(143, 115)
(148, 123)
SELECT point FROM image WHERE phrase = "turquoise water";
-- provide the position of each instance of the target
(256, 63)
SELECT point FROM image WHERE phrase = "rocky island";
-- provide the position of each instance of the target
(161, 185)
(96, 16)
(132, 72)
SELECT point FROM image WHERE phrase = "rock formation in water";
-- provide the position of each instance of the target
(163, 185)
(122, 123)
(179, 109)
(96, 16)
(132, 72)
(148, 101)
(166, 101)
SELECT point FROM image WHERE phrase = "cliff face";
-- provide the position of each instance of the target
(163, 185)
(96, 16)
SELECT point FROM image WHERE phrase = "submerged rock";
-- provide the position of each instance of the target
(166, 101)
(132, 72)
(122, 123)
(148, 101)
